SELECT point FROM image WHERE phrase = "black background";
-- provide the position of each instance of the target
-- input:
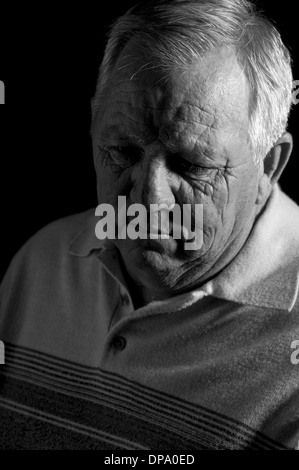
(49, 62)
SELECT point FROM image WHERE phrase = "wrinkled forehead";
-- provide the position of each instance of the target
(212, 91)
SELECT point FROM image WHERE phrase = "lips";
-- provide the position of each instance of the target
(156, 232)
(161, 222)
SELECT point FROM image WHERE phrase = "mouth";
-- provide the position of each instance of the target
(159, 245)
(175, 232)
(156, 233)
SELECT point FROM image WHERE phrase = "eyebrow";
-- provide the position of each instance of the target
(115, 132)
(109, 130)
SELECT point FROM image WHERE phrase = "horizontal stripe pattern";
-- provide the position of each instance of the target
(95, 408)
(66, 424)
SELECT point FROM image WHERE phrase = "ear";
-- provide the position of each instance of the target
(276, 160)
(274, 164)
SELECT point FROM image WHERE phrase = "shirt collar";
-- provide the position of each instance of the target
(265, 273)
(85, 243)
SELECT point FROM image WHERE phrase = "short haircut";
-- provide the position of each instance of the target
(175, 32)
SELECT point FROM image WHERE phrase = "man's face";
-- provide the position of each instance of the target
(181, 139)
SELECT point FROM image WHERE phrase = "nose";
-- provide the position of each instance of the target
(152, 182)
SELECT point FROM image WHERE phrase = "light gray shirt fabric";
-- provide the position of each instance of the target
(222, 350)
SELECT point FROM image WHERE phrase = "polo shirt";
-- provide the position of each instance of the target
(208, 369)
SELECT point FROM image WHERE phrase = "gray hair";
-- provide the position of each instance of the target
(175, 32)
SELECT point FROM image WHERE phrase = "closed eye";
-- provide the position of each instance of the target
(125, 154)
(181, 165)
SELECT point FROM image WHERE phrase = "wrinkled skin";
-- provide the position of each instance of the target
(182, 140)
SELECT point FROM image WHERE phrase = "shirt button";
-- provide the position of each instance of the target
(119, 343)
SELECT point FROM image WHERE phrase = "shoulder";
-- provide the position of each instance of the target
(53, 283)
(57, 235)
(45, 254)
(55, 238)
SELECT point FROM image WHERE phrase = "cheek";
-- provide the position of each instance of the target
(228, 204)
(214, 197)
(235, 203)
(243, 194)
(215, 210)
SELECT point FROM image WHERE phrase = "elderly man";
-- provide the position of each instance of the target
(138, 343)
